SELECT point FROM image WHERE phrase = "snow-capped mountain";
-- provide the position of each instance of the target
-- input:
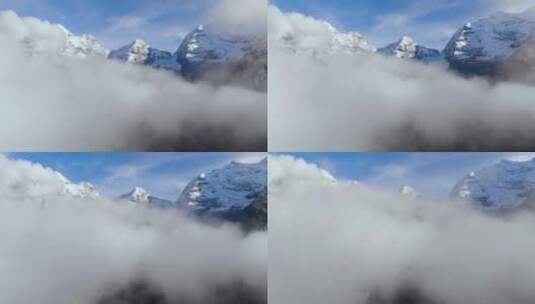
(298, 34)
(82, 46)
(409, 191)
(206, 54)
(407, 48)
(501, 187)
(218, 57)
(231, 188)
(139, 195)
(43, 38)
(478, 47)
(520, 66)
(204, 45)
(81, 190)
(140, 52)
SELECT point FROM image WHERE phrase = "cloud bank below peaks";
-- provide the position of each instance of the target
(333, 100)
(345, 243)
(105, 252)
(53, 102)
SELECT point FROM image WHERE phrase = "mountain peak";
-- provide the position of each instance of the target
(479, 47)
(139, 42)
(503, 186)
(81, 190)
(406, 40)
(407, 48)
(409, 191)
(137, 195)
(233, 187)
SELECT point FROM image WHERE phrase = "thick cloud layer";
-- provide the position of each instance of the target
(343, 243)
(59, 249)
(54, 102)
(340, 102)
(245, 16)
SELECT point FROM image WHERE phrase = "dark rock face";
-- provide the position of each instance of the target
(252, 218)
(142, 292)
(479, 48)
(520, 67)
(235, 193)
(223, 59)
(403, 295)
(138, 292)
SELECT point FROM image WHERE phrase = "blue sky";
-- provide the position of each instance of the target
(432, 174)
(162, 23)
(429, 22)
(161, 174)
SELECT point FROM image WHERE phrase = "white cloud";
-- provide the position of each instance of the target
(126, 22)
(239, 16)
(95, 247)
(391, 20)
(509, 6)
(521, 157)
(345, 243)
(343, 102)
(51, 103)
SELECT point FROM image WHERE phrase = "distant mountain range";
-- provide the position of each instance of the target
(205, 54)
(235, 193)
(482, 47)
(505, 186)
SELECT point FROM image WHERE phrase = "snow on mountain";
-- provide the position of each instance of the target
(219, 57)
(504, 186)
(297, 33)
(140, 52)
(478, 47)
(205, 45)
(231, 188)
(82, 46)
(140, 196)
(409, 191)
(22, 180)
(81, 190)
(38, 37)
(406, 48)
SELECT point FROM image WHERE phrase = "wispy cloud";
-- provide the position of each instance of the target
(126, 22)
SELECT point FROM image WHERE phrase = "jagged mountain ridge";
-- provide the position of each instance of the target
(407, 48)
(206, 54)
(233, 187)
(41, 38)
(139, 195)
(505, 186)
(140, 52)
(295, 37)
(221, 58)
(236, 193)
(478, 48)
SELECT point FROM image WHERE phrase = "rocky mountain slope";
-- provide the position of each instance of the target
(206, 54)
(504, 186)
(236, 192)
(479, 47)
(139, 195)
(140, 52)
(299, 34)
(407, 48)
